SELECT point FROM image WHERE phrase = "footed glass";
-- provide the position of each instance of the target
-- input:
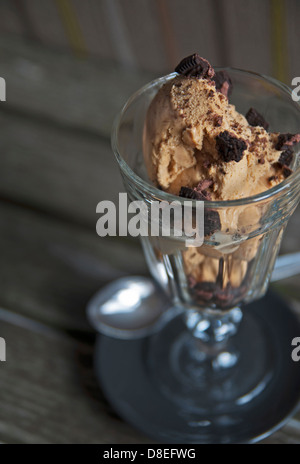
(208, 359)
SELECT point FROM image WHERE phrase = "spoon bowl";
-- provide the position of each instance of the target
(127, 308)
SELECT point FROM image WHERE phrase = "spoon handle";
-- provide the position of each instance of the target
(286, 266)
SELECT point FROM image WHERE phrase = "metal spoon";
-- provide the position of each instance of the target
(127, 308)
(131, 307)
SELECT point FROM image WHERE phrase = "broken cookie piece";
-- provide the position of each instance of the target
(212, 222)
(286, 141)
(223, 83)
(254, 118)
(192, 194)
(229, 147)
(286, 157)
(195, 66)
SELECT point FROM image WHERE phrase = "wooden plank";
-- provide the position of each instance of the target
(247, 23)
(68, 171)
(134, 32)
(77, 93)
(49, 393)
(52, 268)
(293, 38)
(95, 27)
(141, 20)
(10, 18)
(64, 172)
(196, 29)
(46, 24)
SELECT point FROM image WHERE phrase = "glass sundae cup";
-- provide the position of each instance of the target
(212, 363)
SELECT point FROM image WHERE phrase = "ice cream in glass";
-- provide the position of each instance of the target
(227, 138)
(198, 146)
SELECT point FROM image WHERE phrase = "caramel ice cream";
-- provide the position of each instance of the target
(198, 146)
(193, 135)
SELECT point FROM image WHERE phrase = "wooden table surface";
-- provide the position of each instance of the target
(56, 165)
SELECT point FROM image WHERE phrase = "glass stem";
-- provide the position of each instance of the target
(211, 329)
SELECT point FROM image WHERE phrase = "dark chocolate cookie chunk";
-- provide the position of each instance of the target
(195, 66)
(287, 140)
(211, 292)
(254, 118)
(204, 290)
(286, 157)
(198, 193)
(223, 83)
(229, 147)
(212, 222)
(202, 188)
(193, 194)
(287, 172)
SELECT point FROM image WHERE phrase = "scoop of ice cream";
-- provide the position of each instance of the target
(193, 134)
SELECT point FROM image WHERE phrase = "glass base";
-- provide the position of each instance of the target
(176, 390)
(210, 380)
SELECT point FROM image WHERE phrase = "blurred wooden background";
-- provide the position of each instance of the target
(153, 35)
(69, 66)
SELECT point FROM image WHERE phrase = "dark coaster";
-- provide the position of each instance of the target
(139, 391)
